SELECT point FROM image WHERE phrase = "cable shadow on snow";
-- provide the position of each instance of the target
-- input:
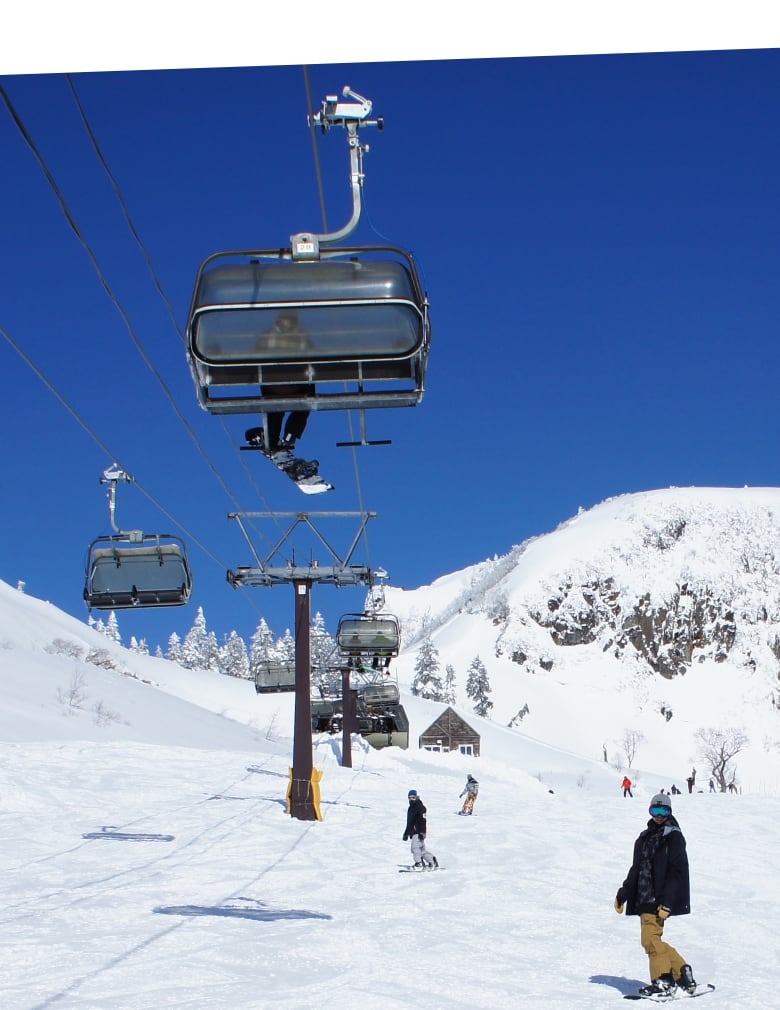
(259, 770)
(620, 982)
(257, 910)
(127, 836)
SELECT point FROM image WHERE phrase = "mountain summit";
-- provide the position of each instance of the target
(660, 609)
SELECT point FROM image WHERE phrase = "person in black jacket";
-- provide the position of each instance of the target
(656, 887)
(416, 829)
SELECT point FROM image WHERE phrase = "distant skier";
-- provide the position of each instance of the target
(416, 830)
(712, 786)
(691, 782)
(656, 887)
(470, 792)
(675, 791)
(626, 787)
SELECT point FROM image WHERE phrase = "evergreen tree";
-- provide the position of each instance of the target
(323, 644)
(174, 648)
(196, 648)
(112, 629)
(427, 682)
(478, 687)
(158, 653)
(285, 648)
(449, 684)
(233, 659)
(213, 653)
(261, 648)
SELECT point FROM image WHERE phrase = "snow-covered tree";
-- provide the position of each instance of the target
(261, 647)
(233, 659)
(213, 652)
(285, 648)
(196, 650)
(20, 585)
(427, 682)
(449, 684)
(174, 648)
(323, 644)
(478, 687)
(158, 653)
(112, 629)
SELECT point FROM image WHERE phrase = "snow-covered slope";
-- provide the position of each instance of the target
(148, 860)
(656, 612)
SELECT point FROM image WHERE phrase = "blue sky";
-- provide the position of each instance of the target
(599, 237)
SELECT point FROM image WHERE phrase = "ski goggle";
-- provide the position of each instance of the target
(660, 811)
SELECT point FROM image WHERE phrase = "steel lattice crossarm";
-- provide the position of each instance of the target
(266, 573)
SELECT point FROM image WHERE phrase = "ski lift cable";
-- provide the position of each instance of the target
(102, 445)
(123, 204)
(109, 290)
(157, 283)
(72, 221)
(315, 149)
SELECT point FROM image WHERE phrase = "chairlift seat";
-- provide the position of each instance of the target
(150, 572)
(367, 635)
(380, 695)
(262, 322)
(273, 678)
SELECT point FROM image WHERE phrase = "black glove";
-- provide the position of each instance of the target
(421, 837)
(620, 900)
(406, 837)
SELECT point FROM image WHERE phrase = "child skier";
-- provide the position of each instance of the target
(416, 829)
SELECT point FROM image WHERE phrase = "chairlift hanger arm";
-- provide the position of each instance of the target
(350, 115)
(111, 476)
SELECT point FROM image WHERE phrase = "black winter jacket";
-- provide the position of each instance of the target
(415, 819)
(669, 871)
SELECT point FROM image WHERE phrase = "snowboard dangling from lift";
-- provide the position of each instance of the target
(303, 472)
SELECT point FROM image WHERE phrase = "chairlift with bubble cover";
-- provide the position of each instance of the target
(132, 568)
(316, 326)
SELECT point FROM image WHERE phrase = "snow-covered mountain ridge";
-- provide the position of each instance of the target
(669, 598)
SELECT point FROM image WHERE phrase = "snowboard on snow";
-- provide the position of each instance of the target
(413, 869)
(701, 990)
(303, 472)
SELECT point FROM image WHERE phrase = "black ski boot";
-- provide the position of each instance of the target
(686, 980)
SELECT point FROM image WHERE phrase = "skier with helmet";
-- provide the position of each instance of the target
(656, 887)
(416, 830)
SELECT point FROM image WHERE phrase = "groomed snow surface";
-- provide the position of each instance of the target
(148, 861)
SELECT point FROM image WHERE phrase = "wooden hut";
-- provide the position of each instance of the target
(448, 732)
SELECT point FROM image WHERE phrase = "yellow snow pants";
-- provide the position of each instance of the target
(663, 957)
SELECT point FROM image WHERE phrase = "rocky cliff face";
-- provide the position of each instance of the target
(666, 579)
(679, 579)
